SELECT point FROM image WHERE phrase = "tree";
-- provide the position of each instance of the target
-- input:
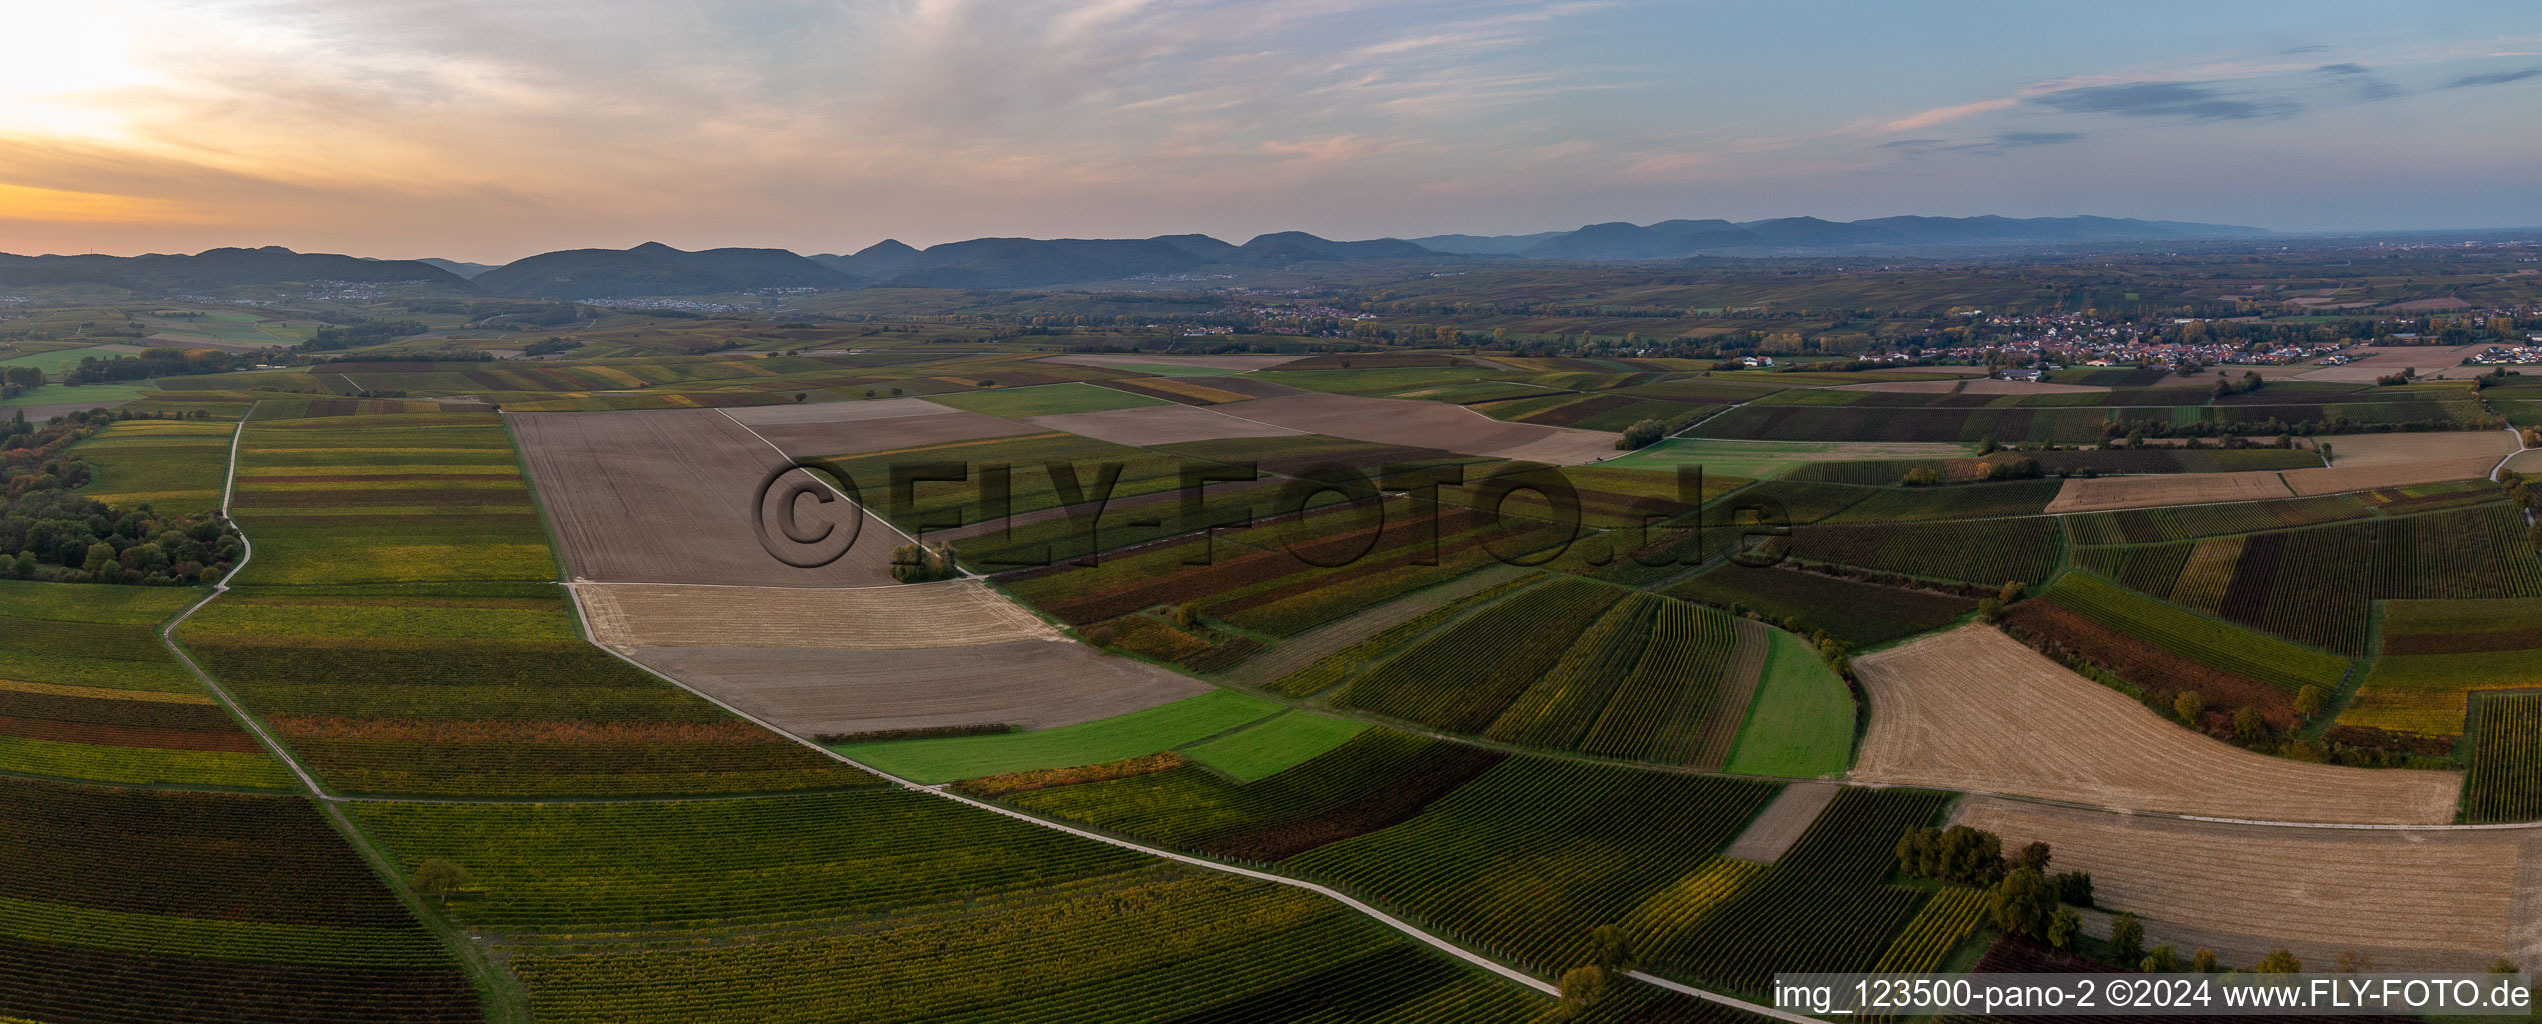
(2280, 962)
(2324, 449)
(1990, 609)
(2161, 960)
(2308, 701)
(2023, 903)
(2127, 939)
(1642, 434)
(438, 877)
(1185, 617)
(2189, 706)
(2204, 961)
(2075, 887)
(1923, 476)
(2033, 856)
(2063, 926)
(2248, 724)
(2502, 965)
(1611, 950)
(1986, 445)
(2011, 591)
(2352, 962)
(101, 558)
(1583, 987)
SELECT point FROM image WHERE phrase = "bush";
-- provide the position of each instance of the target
(916, 563)
(1642, 435)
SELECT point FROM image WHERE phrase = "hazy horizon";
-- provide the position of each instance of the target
(477, 131)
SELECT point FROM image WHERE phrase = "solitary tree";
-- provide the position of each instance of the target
(438, 877)
(2162, 960)
(2189, 706)
(2308, 700)
(2204, 962)
(1611, 950)
(2280, 962)
(1582, 987)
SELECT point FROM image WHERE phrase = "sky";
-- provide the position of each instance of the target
(488, 130)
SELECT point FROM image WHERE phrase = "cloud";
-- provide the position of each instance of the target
(2019, 140)
(2000, 143)
(2492, 78)
(1943, 115)
(2162, 99)
(2368, 86)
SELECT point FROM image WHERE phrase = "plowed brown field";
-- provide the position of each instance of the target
(1972, 709)
(1430, 425)
(2412, 900)
(670, 497)
(955, 613)
(2101, 494)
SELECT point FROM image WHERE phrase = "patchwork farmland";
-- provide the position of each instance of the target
(511, 712)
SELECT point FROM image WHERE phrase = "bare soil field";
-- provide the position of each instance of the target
(955, 613)
(1973, 709)
(2529, 461)
(1430, 425)
(2442, 900)
(2372, 362)
(1227, 362)
(1157, 424)
(849, 428)
(2359, 450)
(2334, 479)
(1781, 823)
(670, 496)
(1979, 386)
(1035, 684)
(2101, 494)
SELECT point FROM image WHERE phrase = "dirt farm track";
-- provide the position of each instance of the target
(1973, 709)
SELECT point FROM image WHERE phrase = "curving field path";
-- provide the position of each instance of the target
(1974, 710)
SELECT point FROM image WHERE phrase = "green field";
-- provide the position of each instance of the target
(1274, 745)
(1764, 460)
(84, 396)
(1802, 723)
(1044, 400)
(1140, 732)
(1175, 369)
(171, 465)
(60, 360)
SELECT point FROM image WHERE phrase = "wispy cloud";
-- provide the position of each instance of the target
(2493, 78)
(2193, 101)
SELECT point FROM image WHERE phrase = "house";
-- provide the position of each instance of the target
(2027, 373)
(1753, 362)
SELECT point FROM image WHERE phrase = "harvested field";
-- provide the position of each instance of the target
(2355, 451)
(2411, 900)
(955, 613)
(1781, 823)
(848, 428)
(2335, 479)
(1972, 709)
(2528, 461)
(2102, 494)
(1036, 684)
(2371, 362)
(668, 496)
(1142, 360)
(1431, 425)
(1157, 424)
(1981, 386)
